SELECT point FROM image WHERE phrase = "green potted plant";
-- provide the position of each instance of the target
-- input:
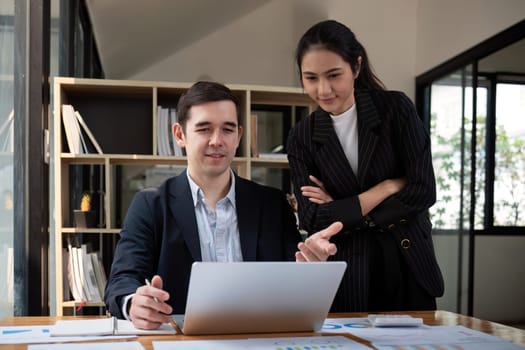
(85, 217)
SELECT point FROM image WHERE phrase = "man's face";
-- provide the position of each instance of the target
(211, 138)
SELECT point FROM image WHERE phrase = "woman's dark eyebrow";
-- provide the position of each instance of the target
(332, 70)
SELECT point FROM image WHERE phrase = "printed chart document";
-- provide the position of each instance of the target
(134, 345)
(42, 334)
(284, 343)
(423, 337)
(103, 326)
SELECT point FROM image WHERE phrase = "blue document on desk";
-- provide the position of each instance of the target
(134, 345)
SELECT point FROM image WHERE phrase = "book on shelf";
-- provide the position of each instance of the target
(86, 276)
(75, 127)
(276, 152)
(89, 275)
(166, 143)
(71, 129)
(88, 133)
(79, 261)
(273, 155)
(162, 135)
(100, 274)
(66, 289)
(72, 281)
(75, 283)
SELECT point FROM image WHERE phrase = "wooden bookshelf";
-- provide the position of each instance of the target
(122, 115)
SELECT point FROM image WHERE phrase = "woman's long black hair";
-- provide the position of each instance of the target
(336, 37)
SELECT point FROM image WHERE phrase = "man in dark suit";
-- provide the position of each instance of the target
(207, 213)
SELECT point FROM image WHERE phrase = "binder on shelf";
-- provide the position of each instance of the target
(89, 276)
(88, 133)
(73, 274)
(85, 274)
(66, 288)
(73, 126)
(166, 143)
(162, 135)
(100, 274)
(72, 129)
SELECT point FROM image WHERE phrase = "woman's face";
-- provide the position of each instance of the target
(328, 80)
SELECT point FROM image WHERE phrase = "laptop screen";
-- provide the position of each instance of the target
(256, 297)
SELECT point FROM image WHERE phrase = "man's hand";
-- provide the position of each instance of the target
(317, 195)
(148, 306)
(317, 247)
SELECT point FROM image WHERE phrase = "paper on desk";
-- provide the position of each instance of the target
(296, 343)
(504, 345)
(41, 334)
(125, 327)
(68, 328)
(134, 345)
(104, 326)
(428, 335)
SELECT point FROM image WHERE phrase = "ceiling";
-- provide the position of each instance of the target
(134, 34)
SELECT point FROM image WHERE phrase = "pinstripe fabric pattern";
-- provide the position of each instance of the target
(392, 143)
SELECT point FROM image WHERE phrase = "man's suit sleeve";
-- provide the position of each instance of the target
(135, 255)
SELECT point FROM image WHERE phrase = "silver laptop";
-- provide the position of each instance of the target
(258, 297)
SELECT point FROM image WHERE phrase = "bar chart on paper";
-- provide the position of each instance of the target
(308, 343)
(311, 343)
(286, 343)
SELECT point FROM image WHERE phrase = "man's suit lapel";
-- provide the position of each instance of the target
(367, 120)
(180, 203)
(248, 216)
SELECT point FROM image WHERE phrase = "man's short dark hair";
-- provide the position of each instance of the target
(203, 92)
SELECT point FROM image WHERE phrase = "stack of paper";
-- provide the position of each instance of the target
(85, 272)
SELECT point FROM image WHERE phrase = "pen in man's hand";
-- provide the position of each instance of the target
(172, 321)
(149, 285)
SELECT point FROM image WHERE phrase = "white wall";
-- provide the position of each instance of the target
(259, 47)
(446, 28)
(499, 278)
(403, 38)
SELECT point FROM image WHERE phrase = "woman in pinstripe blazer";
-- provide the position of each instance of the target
(363, 158)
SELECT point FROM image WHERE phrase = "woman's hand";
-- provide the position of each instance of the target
(317, 195)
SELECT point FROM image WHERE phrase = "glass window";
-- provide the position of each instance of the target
(509, 191)
(6, 156)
